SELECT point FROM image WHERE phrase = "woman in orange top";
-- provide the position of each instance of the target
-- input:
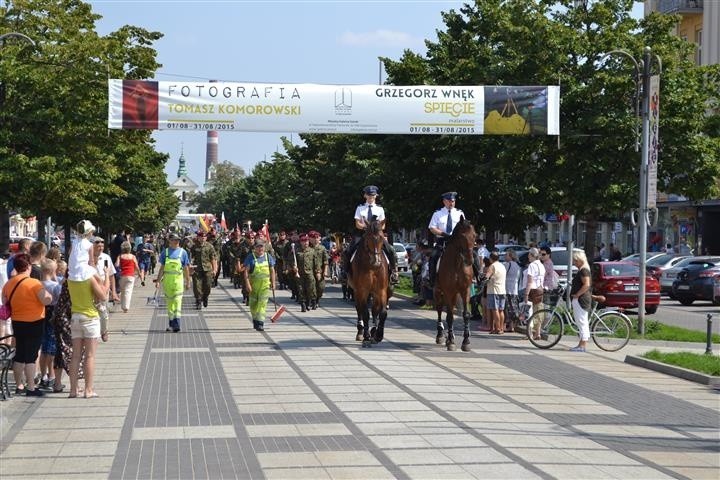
(28, 313)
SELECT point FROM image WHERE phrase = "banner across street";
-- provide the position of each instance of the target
(350, 109)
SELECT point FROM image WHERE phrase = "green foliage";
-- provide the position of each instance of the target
(227, 193)
(57, 158)
(709, 364)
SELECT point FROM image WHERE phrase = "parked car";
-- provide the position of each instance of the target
(635, 257)
(716, 290)
(410, 248)
(13, 246)
(696, 281)
(668, 276)
(402, 256)
(502, 247)
(656, 265)
(559, 256)
(619, 282)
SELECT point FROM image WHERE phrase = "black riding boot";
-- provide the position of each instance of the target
(303, 307)
(432, 268)
(392, 262)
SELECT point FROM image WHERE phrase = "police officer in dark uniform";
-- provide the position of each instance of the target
(364, 214)
(441, 225)
(204, 261)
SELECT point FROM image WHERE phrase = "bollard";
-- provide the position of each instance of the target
(708, 344)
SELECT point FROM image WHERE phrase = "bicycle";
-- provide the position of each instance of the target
(546, 326)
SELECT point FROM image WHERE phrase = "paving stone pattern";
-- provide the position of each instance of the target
(303, 400)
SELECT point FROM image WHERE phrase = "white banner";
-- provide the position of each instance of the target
(310, 108)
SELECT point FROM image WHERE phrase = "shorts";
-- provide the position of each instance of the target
(144, 265)
(48, 346)
(28, 337)
(495, 302)
(82, 326)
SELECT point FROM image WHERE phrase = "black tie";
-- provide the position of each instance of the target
(369, 214)
(449, 225)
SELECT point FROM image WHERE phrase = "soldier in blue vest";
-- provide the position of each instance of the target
(364, 214)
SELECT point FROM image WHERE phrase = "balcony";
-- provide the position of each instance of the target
(680, 6)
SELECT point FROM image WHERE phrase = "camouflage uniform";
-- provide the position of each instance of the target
(306, 267)
(321, 258)
(204, 258)
(280, 249)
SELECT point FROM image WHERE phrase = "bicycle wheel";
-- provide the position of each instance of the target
(545, 328)
(611, 331)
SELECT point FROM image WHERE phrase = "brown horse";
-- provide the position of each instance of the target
(452, 283)
(369, 281)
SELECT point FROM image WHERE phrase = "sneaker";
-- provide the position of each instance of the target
(577, 349)
(19, 391)
(205, 301)
(34, 393)
(44, 383)
(168, 329)
(260, 327)
(142, 283)
(176, 329)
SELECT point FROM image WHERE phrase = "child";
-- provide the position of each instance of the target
(81, 264)
(61, 271)
(49, 346)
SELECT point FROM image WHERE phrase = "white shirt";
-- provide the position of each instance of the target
(483, 252)
(104, 259)
(496, 283)
(361, 212)
(536, 271)
(440, 218)
(511, 277)
(79, 268)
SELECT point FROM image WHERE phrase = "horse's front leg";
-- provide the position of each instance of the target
(466, 318)
(450, 342)
(364, 318)
(379, 316)
(440, 328)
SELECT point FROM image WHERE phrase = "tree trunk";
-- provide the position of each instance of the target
(41, 220)
(68, 241)
(591, 226)
(4, 230)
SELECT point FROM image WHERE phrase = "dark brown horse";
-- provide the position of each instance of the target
(369, 281)
(452, 283)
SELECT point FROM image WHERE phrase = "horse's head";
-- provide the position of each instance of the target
(463, 234)
(373, 243)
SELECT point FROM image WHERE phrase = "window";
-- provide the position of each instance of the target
(698, 45)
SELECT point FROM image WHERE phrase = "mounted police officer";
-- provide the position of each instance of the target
(441, 225)
(364, 214)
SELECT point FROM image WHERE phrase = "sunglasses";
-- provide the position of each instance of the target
(543, 254)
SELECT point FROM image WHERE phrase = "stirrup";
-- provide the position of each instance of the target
(394, 279)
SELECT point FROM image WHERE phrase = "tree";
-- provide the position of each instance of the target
(53, 134)
(226, 193)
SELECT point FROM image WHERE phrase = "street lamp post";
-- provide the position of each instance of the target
(646, 86)
(4, 215)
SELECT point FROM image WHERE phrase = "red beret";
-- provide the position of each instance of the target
(303, 237)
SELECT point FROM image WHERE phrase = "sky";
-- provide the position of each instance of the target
(324, 42)
(271, 41)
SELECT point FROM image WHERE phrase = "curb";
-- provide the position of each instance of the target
(679, 372)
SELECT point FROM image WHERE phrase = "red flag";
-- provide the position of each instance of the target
(222, 221)
(266, 230)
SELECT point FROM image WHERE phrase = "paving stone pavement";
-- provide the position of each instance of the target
(304, 400)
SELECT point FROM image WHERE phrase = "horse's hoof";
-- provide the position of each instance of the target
(439, 339)
(451, 347)
(366, 344)
(358, 337)
(465, 347)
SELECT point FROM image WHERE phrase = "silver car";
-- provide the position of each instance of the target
(402, 256)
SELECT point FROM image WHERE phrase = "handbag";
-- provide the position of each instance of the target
(536, 295)
(5, 310)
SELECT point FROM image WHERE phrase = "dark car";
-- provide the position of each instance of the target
(619, 283)
(696, 282)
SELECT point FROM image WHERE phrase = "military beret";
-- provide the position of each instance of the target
(314, 234)
(449, 195)
(371, 190)
(303, 237)
(200, 233)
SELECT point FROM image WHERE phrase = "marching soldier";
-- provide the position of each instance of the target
(279, 247)
(305, 267)
(214, 240)
(290, 272)
(204, 260)
(321, 260)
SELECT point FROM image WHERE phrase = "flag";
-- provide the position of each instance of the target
(223, 224)
(203, 224)
(266, 230)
